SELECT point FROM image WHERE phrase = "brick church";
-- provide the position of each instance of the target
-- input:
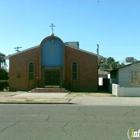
(54, 63)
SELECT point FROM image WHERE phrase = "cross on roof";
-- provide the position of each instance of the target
(52, 26)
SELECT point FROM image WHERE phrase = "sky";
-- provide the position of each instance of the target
(113, 24)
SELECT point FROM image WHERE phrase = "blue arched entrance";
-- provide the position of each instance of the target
(52, 61)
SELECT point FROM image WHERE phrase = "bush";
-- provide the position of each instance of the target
(4, 84)
(3, 74)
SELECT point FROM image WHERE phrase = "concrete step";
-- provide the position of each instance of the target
(50, 90)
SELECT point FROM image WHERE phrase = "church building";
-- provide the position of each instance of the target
(54, 63)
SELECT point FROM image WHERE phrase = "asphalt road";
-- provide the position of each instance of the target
(67, 122)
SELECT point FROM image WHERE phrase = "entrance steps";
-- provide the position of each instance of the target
(49, 90)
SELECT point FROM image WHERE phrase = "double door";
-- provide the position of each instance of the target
(52, 77)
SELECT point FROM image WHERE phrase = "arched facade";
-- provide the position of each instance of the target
(52, 52)
(52, 61)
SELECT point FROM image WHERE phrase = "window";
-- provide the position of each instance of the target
(135, 77)
(74, 71)
(18, 75)
(31, 71)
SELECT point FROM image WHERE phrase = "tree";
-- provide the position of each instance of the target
(2, 60)
(110, 63)
(3, 79)
(3, 74)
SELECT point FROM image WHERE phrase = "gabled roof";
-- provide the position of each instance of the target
(126, 66)
(83, 51)
(7, 57)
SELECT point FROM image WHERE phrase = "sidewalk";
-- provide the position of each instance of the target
(64, 98)
(107, 101)
(33, 98)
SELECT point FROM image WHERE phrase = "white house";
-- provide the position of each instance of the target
(126, 80)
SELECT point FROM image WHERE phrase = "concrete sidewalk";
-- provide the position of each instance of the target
(41, 95)
(62, 98)
(32, 98)
(107, 101)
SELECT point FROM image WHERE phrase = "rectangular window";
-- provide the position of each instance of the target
(18, 75)
(74, 71)
(135, 77)
(74, 76)
(31, 71)
(31, 76)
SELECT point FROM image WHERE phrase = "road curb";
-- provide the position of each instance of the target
(36, 103)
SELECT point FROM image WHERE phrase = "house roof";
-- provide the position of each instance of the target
(102, 72)
(126, 66)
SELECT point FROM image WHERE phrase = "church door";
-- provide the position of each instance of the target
(52, 77)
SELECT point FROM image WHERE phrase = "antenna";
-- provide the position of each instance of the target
(17, 49)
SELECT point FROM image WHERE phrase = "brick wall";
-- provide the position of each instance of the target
(87, 70)
(18, 75)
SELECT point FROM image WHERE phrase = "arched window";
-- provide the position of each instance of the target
(31, 71)
(74, 71)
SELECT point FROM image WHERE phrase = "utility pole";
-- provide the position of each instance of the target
(97, 49)
(98, 54)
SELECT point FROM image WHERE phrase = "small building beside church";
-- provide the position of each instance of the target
(53, 63)
(127, 76)
(125, 81)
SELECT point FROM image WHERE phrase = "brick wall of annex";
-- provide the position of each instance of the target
(87, 70)
(18, 75)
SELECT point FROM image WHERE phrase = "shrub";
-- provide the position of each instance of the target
(4, 84)
(3, 74)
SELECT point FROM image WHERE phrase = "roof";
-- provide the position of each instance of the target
(7, 57)
(126, 65)
(102, 72)
(83, 51)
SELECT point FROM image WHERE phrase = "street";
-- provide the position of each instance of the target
(67, 122)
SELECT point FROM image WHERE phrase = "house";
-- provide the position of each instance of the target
(127, 80)
(127, 76)
(54, 63)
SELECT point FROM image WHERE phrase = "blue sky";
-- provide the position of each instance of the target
(113, 24)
